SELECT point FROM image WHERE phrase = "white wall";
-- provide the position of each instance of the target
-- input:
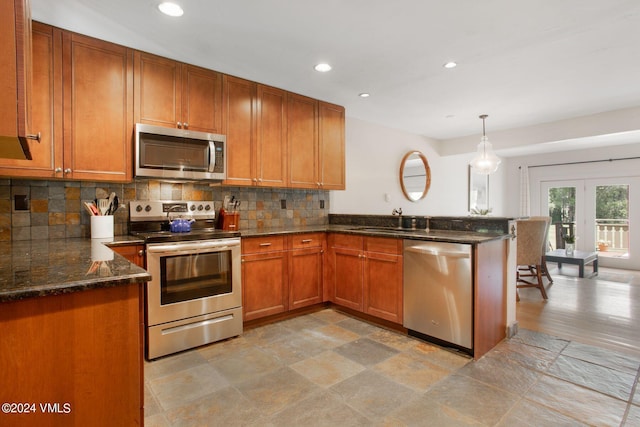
(373, 156)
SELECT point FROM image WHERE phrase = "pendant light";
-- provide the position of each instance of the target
(485, 162)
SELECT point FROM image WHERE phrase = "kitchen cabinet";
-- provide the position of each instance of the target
(81, 351)
(134, 253)
(98, 109)
(255, 126)
(306, 269)
(264, 277)
(80, 138)
(46, 112)
(366, 274)
(15, 79)
(316, 144)
(177, 95)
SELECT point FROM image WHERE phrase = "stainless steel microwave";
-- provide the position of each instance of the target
(166, 153)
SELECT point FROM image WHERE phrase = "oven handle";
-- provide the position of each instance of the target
(191, 247)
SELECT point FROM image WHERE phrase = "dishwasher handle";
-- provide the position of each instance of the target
(430, 251)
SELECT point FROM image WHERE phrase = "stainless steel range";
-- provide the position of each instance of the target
(194, 296)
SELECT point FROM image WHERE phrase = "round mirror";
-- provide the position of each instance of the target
(415, 175)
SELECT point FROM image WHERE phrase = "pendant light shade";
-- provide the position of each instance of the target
(485, 162)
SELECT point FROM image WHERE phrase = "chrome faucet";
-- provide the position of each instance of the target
(399, 213)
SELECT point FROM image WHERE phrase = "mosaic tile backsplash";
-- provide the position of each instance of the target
(54, 208)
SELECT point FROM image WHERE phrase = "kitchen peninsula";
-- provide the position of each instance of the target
(70, 322)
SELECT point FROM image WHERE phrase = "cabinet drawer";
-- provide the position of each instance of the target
(340, 240)
(309, 240)
(253, 245)
(384, 245)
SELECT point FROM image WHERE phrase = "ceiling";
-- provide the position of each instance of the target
(522, 63)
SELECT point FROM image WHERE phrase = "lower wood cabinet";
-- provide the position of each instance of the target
(365, 274)
(264, 277)
(134, 253)
(81, 351)
(306, 269)
(281, 273)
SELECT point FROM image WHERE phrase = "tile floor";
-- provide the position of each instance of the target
(328, 369)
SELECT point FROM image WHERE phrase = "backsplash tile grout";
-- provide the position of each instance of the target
(55, 207)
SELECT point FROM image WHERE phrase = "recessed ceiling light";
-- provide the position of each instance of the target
(171, 9)
(450, 64)
(364, 95)
(449, 116)
(322, 67)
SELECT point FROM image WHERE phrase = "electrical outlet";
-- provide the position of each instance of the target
(321, 204)
(283, 204)
(21, 202)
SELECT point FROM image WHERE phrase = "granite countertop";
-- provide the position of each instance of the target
(453, 236)
(36, 268)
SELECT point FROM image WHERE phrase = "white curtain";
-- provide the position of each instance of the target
(525, 198)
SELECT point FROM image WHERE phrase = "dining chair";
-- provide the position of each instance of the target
(545, 245)
(529, 250)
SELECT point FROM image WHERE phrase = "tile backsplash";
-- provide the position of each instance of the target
(54, 208)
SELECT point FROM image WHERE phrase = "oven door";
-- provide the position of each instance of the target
(192, 278)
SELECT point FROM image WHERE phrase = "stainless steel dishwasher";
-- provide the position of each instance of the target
(438, 292)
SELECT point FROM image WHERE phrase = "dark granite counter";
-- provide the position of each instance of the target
(455, 236)
(36, 268)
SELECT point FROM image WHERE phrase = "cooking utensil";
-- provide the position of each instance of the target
(103, 206)
(110, 209)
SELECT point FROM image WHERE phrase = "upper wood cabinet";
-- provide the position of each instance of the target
(331, 151)
(46, 111)
(177, 95)
(255, 126)
(15, 78)
(316, 144)
(98, 109)
(82, 103)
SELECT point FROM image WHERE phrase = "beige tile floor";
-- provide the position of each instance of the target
(328, 369)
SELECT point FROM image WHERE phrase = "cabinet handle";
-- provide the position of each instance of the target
(36, 136)
(141, 252)
(265, 244)
(67, 170)
(185, 125)
(57, 170)
(307, 240)
(179, 125)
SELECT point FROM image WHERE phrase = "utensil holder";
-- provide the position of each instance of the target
(101, 226)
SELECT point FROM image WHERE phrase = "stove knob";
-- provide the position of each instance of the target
(139, 208)
(200, 207)
(207, 207)
(147, 208)
(193, 207)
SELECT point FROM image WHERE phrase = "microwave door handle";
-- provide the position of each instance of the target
(212, 156)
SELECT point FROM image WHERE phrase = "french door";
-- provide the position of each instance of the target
(601, 213)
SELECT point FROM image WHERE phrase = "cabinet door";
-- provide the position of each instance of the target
(331, 146)
(383, 286)
(201, 99)
(348, 278)
(239, 100)
(158, 90)
(98, 109)
(303, 142)
(264, 285)
(305, 277)
(46, 108)
(134, 253)
(272, 153)
(15, 78)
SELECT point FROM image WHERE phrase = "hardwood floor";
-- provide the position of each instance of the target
(603, 311)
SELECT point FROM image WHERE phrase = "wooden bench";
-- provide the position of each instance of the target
(579, 258)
